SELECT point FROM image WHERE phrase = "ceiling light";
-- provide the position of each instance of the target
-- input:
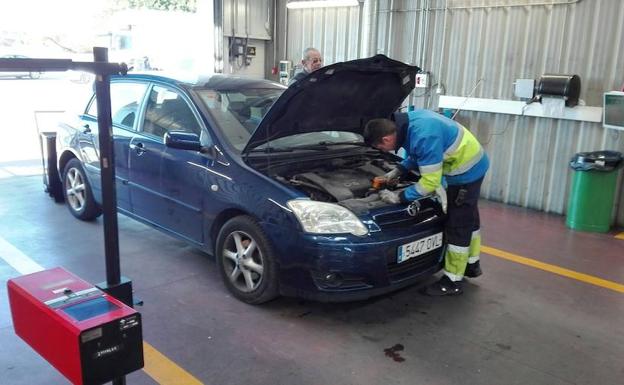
(321, 4)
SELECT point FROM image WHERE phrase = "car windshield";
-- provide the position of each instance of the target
(238, 113)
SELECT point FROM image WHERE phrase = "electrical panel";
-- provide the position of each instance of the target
(284, 71)
(241, 52)
(422, 80)
(524, 88)
(237, 46)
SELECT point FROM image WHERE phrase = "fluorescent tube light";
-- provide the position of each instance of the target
(321, 4)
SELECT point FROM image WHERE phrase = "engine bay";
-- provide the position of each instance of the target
(346, 180)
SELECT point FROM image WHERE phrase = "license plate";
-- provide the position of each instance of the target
(421, 246)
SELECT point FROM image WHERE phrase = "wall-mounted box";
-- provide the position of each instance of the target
(613, 107)
(524, 88)
(422, 80)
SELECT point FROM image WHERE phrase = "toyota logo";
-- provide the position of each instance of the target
(413, 208)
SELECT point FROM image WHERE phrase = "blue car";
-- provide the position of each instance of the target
(275, 182)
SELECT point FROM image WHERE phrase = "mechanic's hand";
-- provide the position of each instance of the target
(395, 173)
(440, 194)
(389, 196)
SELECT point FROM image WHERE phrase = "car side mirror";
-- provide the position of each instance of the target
(183, 140)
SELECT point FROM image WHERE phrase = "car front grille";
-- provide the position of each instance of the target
(428, 211)
(413, 266)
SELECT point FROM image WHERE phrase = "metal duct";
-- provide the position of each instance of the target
(218, 36)
(369, 28)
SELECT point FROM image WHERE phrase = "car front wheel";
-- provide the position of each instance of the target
(246, 261)
(77, 192)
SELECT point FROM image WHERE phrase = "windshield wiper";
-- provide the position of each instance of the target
(319, 146)
(268, 150)
(324, 145)
(330, 143)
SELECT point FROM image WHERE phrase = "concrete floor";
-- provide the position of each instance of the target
(514, 325)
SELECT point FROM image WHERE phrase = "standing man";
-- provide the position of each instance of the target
(438, 146)
(311, 61)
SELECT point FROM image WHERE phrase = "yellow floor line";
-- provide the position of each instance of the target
(163, 370)
(620, 236)
(554, 269)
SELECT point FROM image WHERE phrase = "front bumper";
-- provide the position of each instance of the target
(348, 268)
(324, 295)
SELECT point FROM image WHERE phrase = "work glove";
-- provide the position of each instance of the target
(389, 196)
(440, 195)
(395, 173)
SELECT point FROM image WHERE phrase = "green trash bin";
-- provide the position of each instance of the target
(593, 190)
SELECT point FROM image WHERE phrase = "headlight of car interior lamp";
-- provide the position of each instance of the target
(326, 218)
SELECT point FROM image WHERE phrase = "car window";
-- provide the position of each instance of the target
(125, 101)
(167, 111)
(92, 110)
(238, 112)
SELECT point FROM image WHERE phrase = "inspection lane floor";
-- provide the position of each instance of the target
(515, 324)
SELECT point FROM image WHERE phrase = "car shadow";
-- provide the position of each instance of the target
(408, 302)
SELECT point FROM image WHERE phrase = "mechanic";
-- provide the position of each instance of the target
(311, 61)
(439, 148)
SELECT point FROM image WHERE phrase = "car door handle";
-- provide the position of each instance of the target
(87, 129)
(139, 148)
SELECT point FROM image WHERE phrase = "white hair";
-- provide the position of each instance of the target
(306, 52)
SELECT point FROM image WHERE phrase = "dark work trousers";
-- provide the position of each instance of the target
(462, 227)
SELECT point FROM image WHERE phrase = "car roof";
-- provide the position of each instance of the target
(211, 81)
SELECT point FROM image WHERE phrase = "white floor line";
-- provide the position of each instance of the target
(18, 260)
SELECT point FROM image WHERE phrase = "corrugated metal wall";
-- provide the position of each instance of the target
(334, 31)
(247, 18)
(482, 50)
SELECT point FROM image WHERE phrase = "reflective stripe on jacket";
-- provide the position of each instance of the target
(436, 146)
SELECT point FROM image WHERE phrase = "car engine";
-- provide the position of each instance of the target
(346, 180)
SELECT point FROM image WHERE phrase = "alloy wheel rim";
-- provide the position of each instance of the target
(75, 189)
(243, 261)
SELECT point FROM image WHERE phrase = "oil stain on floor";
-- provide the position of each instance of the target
(393, 352)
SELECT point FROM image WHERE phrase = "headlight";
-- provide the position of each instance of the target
(326, 218)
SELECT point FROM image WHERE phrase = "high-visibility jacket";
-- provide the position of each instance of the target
(437, 146)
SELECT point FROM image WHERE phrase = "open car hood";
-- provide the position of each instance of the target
(342, 96)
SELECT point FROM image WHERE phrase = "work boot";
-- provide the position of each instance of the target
(444, 286)
(473, 270)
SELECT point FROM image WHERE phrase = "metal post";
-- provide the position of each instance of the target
(107, 167)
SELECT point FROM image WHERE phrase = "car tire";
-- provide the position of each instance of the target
(77, 192)
(251, 278)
